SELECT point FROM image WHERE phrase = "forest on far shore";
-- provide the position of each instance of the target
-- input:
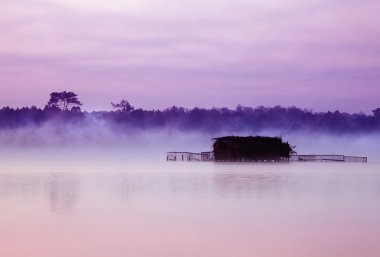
(65, 108)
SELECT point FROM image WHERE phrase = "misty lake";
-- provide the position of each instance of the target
(88, 204)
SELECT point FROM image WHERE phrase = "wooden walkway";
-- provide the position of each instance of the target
(332, 158)
(209, 156)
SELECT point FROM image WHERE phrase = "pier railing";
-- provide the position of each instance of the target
(324, 157)
(188, 156)
(209, 156)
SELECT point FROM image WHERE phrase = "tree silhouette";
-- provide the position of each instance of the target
(64, 101)
(123, 106)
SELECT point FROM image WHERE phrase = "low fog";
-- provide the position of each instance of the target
(107, 139)
(61, 126)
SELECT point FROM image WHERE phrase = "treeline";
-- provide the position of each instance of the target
(240, 119)
(211, 120)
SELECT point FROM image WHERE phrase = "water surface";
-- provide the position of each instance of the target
(94, 205)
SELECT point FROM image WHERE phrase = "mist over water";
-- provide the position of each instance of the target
(95, 190)
(107, 139)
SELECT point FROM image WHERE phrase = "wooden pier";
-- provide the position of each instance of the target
(331, 158)
(209, 156)
(188, 156)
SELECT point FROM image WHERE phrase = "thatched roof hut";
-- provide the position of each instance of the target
(233, 148)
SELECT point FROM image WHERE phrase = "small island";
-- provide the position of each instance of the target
(255, 149)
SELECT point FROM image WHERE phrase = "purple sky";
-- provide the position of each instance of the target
(323, 55)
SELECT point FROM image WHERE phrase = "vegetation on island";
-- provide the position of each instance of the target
(257, 148)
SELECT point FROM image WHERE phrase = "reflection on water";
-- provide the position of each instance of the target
(119, 208)
(60, 189)
(63, 191)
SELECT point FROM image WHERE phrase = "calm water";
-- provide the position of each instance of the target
(86, 205)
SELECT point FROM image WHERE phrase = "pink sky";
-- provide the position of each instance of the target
(323, 55)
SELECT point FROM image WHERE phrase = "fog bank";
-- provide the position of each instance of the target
(104, 138)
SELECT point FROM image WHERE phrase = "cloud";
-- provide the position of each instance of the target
(140, 47)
